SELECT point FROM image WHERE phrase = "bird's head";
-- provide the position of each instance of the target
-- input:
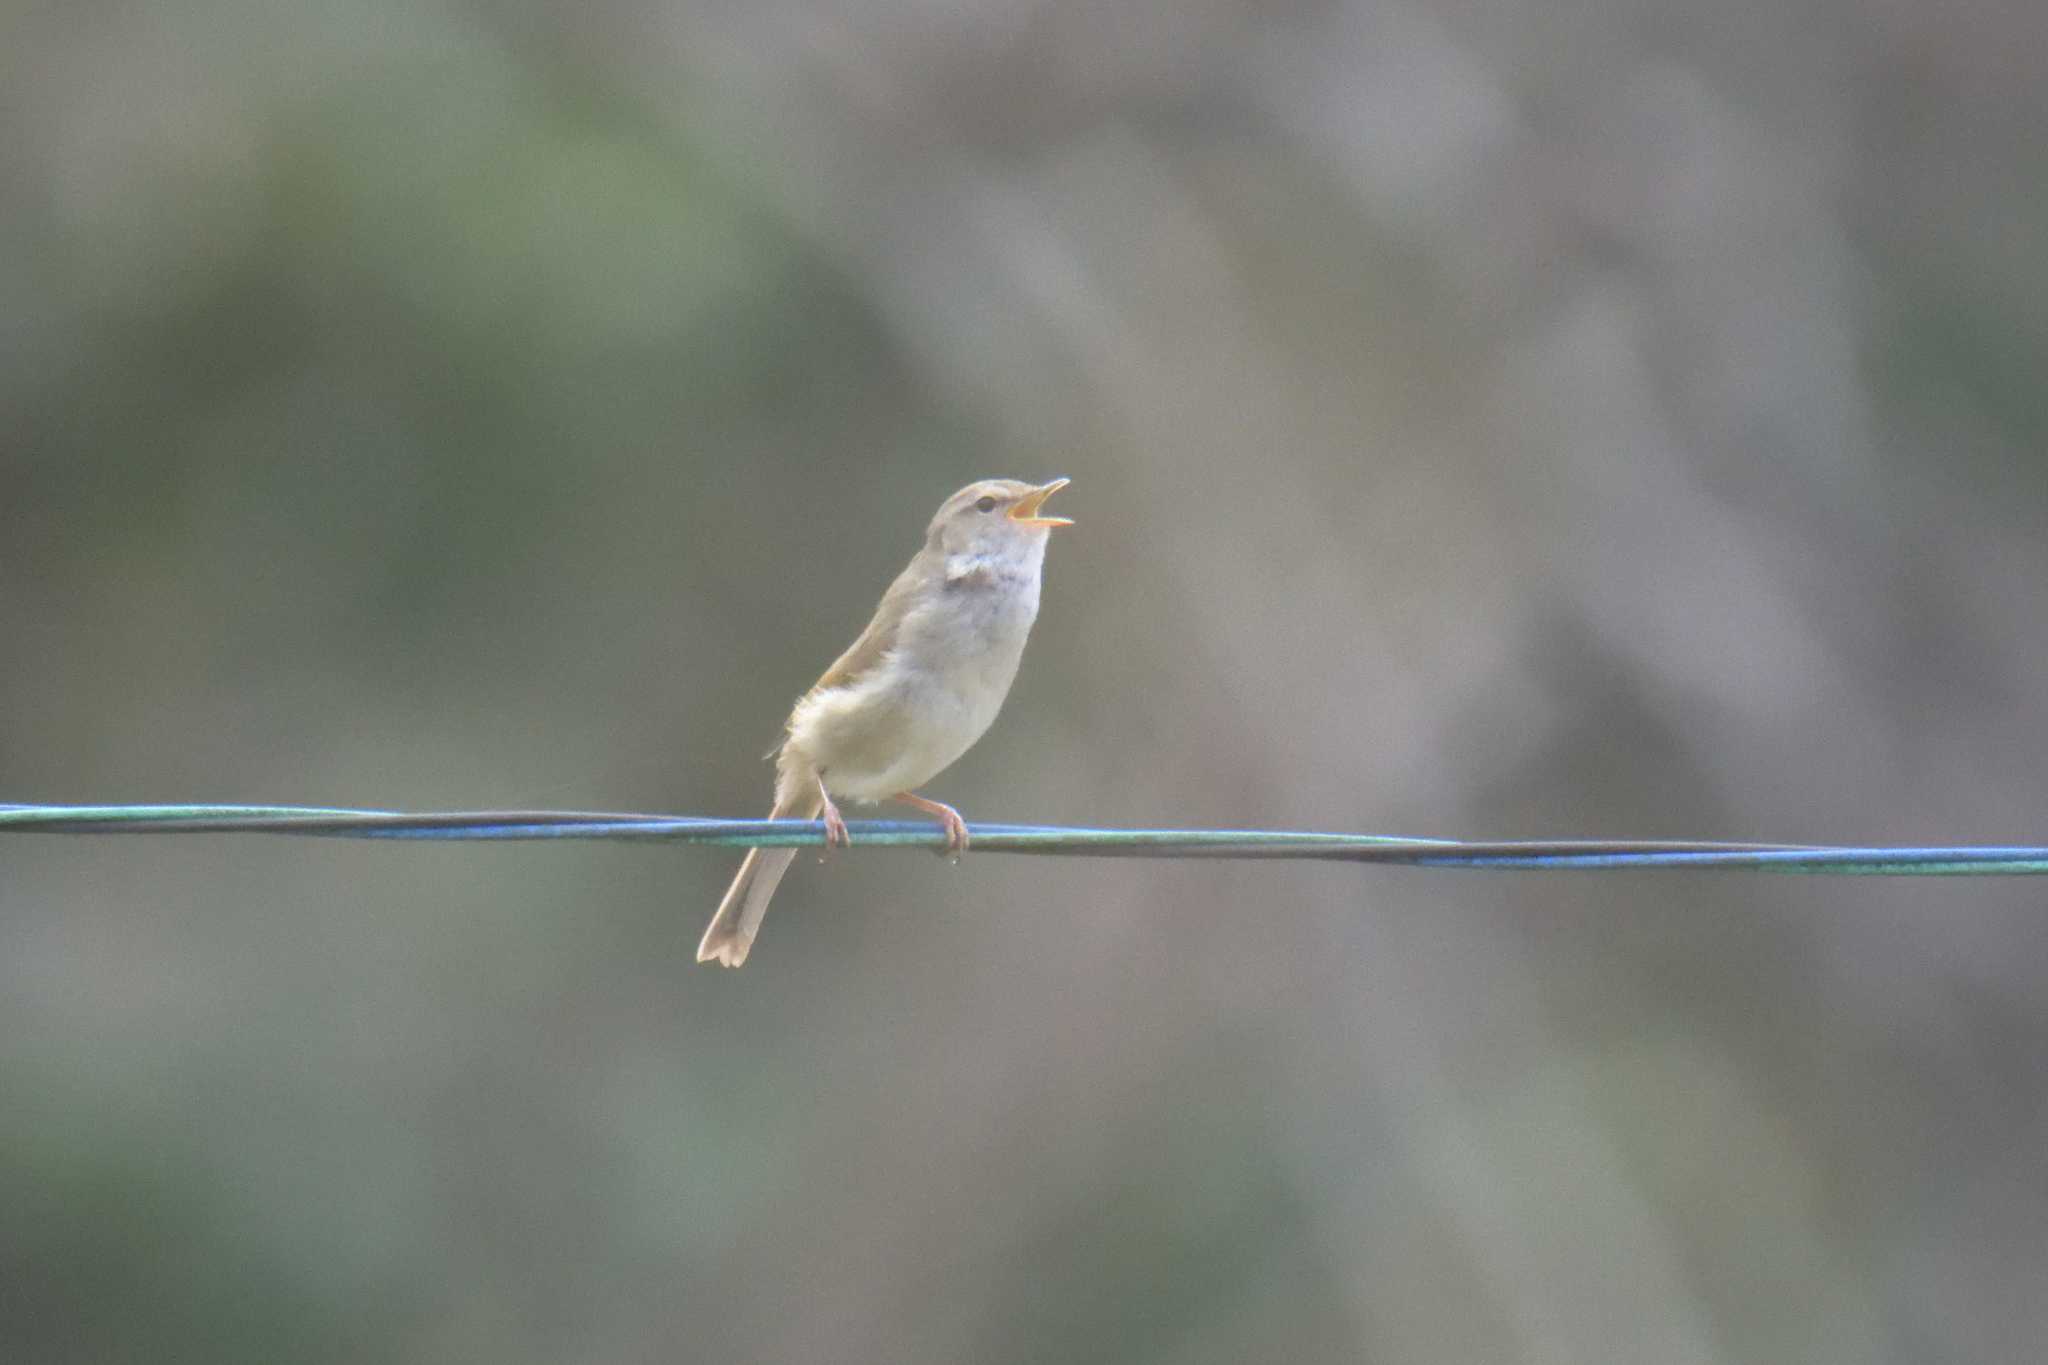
(995, 519)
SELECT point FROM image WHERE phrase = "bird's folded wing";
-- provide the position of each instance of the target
(880, 636)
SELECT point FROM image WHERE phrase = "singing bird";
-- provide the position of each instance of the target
(912, 694)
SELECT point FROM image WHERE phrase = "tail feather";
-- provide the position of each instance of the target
(731, 931)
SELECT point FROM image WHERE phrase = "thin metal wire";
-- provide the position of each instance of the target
(1052, 840)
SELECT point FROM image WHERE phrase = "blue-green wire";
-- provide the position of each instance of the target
(1561, 855)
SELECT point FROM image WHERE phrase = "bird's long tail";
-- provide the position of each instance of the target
(732, 929)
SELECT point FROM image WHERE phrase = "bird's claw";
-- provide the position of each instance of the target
(956, 835)
(835, 833)
(949, 821)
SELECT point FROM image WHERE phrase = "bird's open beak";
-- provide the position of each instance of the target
(1026, 508)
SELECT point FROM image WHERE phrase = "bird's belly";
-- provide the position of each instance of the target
(899, 732)
(922, 740)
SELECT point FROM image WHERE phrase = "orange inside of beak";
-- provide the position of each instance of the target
(1026, 508)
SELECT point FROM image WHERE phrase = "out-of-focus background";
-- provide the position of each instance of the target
(1492, 421)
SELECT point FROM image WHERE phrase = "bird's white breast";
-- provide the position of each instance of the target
(934, 693)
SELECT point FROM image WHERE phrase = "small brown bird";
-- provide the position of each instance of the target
(912, 694)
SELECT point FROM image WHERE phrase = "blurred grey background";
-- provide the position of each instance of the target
(1510, 420)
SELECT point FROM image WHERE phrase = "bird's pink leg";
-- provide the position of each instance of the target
(956, 828)
(835, 824)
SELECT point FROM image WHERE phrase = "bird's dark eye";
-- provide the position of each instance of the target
(985, 505)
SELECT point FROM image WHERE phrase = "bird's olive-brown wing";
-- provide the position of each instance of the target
(880, 636)
(874, 642)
